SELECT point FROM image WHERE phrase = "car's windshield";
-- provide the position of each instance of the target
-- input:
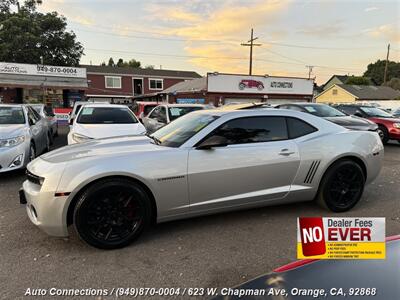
(11, 115)
(323, 111)
(147, 109)
(175, 112)
(106, 115)
(376, 112)
(178, 132)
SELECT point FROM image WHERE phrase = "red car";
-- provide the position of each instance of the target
(389, 125)
(142, 108)
(248, 83)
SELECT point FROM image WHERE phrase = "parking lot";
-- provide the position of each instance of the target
(215, 251)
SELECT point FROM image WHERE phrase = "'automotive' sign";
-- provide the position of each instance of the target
(228, 83)
(41, 70)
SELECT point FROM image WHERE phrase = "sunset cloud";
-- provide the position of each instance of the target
(224, 28)
(387, 31)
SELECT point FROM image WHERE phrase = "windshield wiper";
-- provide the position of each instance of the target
(156, 140)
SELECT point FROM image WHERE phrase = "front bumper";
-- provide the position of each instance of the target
(394, 133)
(44, 209)
(8, 155)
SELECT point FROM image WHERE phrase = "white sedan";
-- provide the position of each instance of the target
(95, 121)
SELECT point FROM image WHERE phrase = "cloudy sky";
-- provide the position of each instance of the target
(337, 37)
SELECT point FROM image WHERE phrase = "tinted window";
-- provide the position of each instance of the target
(322, 110)
(176, 112)
(147, 109)
(253, 130)
(298, 128)
(375, 112)
(351, 110)
(11, 115)
(176, 133)
(106, 115)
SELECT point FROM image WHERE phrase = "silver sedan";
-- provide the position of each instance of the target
(205, 162)
(23, 135)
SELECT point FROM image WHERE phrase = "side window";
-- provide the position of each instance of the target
(155, 113)
(298, 128)
(31, 116)
(36, 114)
(253, 130)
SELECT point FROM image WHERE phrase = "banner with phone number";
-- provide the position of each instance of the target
(340, 238)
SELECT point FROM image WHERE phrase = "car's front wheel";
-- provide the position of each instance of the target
(112, 213)
(342, 186)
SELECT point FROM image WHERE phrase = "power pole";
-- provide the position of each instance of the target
(310, 68)
(250, 43)
(386, 65)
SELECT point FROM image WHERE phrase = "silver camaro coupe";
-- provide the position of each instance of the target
(205, 162)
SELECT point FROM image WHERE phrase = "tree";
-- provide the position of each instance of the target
(111, 62)
(394, 83)
(134, 63)
(151, 67)
(376, 71)
(358, 80)
(120, 63)
(27, 35)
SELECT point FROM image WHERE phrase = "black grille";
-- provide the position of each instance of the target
(33, 178)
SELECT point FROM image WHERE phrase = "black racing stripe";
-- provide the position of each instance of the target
(309, 172)
(315, 171)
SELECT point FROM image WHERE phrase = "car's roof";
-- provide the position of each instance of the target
(148, 102)
(11, 105)
(182, 105)
(107, 105)
(240, 106)
(303, 103)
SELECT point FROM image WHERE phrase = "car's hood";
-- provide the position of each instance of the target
(98, 131)
(10, 131)
(353, 122)
(103, 147)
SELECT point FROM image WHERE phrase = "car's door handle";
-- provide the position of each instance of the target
(286, 152)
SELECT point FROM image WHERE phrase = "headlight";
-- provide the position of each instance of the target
(396, 125)
(80, 138)
(12, 142)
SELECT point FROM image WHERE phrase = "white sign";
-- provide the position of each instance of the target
(42, 70)
(226, 83)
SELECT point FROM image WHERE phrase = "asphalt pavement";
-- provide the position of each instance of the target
(215, 251)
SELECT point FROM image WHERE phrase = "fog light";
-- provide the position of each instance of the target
(17, 161)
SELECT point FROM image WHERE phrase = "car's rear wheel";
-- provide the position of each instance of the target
(383, 134)
(112, 213)
(342, 186)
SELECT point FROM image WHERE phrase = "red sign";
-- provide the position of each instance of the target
(312, 236)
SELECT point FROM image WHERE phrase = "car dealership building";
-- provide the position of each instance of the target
(220, 88)
(55, 85)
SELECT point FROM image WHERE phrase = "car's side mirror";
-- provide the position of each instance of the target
(71, 121)
(213, 142)
(357, 114)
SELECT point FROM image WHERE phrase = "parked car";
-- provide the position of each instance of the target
(204, 162)
(165, 113)
(248, 83)
(23, 135)
(48, 114)
(331, 114)
(77, 106)
(389, 125)
(361, 279)
(95, 121)
(396, 113)
(143, 108)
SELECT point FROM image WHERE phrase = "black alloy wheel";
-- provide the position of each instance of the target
(342, 186)
(112, 213)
